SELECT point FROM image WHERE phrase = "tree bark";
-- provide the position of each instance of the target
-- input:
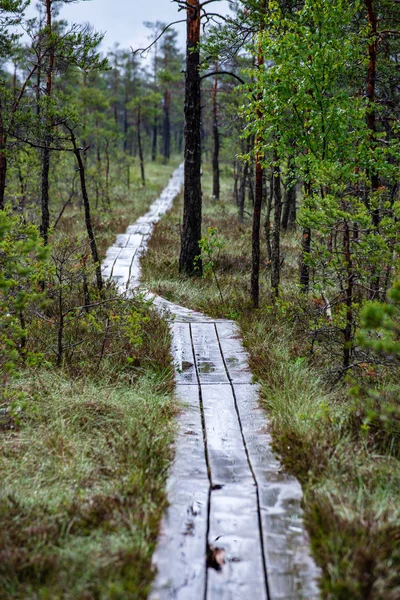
(267, 221)
(276, 232)
(167, 126)
(255, 237)
(140, 148)
(88, 218)
(305, 269)
(215, 156)
(154, 140)
(45, 224)
(348, 330)
(371, 122)
(192, 209)
(3, 159)
(289, 199)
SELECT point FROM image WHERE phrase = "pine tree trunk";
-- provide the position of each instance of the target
(45, 224)
(191, 230)
(255, 236)
(154, 142)
(305, 269)
(215, 156)
(140, 148)
(3, 160)
(290, 197)
(267, 222)
(371, 123)
(167, 126)
(88, 218)
(276, 232)
(258, 197)
(293, 210)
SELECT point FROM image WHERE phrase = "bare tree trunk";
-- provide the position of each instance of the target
(305, 249)
(255, 236)
(293, 209)
(275, 246)
(215, 156)
(267, 221)
(140, 148)
(167, 126)
(371, 123)
(45, 224)
(290, 196)
(305, 269)
(242, 191)
(88, 218)
(348, 330)
(191, 230)
(3, 160)
(154, 140)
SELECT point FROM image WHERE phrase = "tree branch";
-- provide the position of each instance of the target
(223, 73)
(143, 50)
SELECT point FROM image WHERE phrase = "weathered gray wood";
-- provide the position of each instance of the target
(234, 522)
(185, 370)
(226, 489)
(180, 553)
(210, 364)
(292, 572)
(236, 359)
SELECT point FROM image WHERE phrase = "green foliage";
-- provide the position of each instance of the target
(378, 405)
(24, 263)
(211, 245)
(383, 320)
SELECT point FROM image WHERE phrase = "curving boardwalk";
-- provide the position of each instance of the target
(233, 529)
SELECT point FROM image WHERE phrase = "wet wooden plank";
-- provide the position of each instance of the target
(122, 240)
(234, 517)
(234, 527)
(236, 358)
(292, 572)
(126, 256)
(135, 240)
(209, 362)
(181, 347)
(180, 555)
(120, 273)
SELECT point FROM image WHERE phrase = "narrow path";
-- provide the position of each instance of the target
(234, 527)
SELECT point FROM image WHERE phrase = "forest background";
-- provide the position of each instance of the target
(291, 111)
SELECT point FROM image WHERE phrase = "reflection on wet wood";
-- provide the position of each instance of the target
(233, 527)
(180, 554)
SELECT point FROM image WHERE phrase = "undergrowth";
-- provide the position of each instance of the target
(350, 474)
(86, 416)
(83, 473)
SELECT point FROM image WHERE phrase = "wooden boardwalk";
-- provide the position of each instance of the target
(233, 529)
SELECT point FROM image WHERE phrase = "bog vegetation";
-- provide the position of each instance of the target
(291, 110)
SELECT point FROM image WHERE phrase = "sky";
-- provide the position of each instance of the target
(122, 20)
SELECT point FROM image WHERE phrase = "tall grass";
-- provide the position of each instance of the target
(83, 474)
(351, 484)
